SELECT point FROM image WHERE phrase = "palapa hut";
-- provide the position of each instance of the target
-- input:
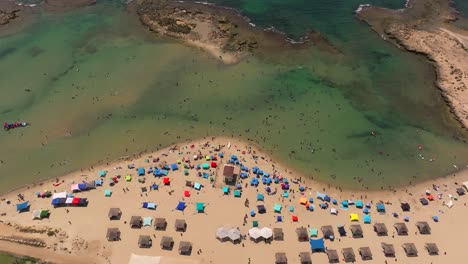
(136, 222)
(333, 256)
(388, 250)
(432, 249)
(114, 213)
(185, 248)
(366, 253)
(348, 254)
(356, 230)
(380, 229)
(328, 232)
(280, 258)
(113, 234)
(160, 224)
(424, 228)
(401, 229)
(410, 249)
(302, 235)
(167, 243)
(278, 234)
(305, 258)
(180, 225)
(145, 242)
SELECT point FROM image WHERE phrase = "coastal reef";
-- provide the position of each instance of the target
(7, 16)
(424, 27)
(220, 31)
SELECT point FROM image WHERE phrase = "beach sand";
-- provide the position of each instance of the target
(78, 234)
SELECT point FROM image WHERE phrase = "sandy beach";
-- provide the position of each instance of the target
(75, 234)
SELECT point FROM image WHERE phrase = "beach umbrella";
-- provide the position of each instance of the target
(268, 189)
(435, 218)
(311, 207)
(366, 210)
(252, 213)
(279, 218)
(311, 200)
(406, 218)
(301, 188)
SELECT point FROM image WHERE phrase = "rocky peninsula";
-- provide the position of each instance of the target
(220, 31)
(424, 27)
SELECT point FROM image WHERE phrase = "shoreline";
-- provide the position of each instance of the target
(420, 30)
(93, 243)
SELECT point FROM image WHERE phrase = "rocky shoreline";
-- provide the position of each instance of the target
(221, 32)
(424, 28)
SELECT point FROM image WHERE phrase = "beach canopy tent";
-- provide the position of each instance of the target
(225, 190)
(107, 193)
(333, 211)
(424, 201)
(302, 234)
(348, 255)
(366, 253)
(266, 233)
(141, 171)
(313, 232)
(145, 241)
(410, 249)
(255, 223)
(113, 234)
(460, 191)
(344, 203)
(58, 201)
(128, 178)
(341, 230)
(380, 207)
(148, 205)
(303, 200)
(280, 258)
(160, 224)
(432, 249)
(254, 234)
(291, 208)
(380, 229)
(39, 214)
(356, 231)
(277, 208)
(180, 225)
(295, 218)
(401, 229)
(354, 217)
(359, 204)
(367, 219)
(261, 209)
(114, 213)
(74, 188)
(305, 258)
(423, 227)
(388, 250)
(332, 256)
(405, 207)
(317, 245)
(205, 166)
(200, 207)
(254, 182)
(278, 234)
(197, 186)
(102, 173)
(320, 196)
(185, 248)
(147, 221)
(98, 182)
(187, 193)
(180, 206)
(328, 232)
(166, 181)
(234, 234)
(22, 207)
(174, 166)
(222, 233)
(167, 243)
(136, 222)
(465, 185)
(237, 193)
(260, 197)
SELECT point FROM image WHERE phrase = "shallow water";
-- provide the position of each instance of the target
(96, 86)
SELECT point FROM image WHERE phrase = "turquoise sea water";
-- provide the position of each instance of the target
(96, 86)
